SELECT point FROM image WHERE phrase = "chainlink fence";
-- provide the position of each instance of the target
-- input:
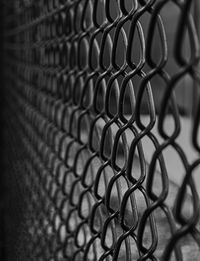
(99, 99)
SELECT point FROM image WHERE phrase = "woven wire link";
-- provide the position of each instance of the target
(80, 186)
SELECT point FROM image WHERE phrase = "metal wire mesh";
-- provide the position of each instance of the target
(85, 84)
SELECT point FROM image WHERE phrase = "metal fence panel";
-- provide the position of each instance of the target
(97, 94)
